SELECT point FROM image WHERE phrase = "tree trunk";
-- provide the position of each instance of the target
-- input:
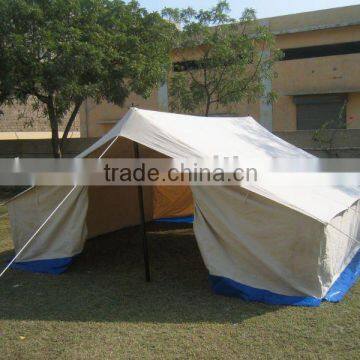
(55, 142)
(69, 124)
(207, 109)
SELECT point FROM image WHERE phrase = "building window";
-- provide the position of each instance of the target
(321, 50)
(306, 52)
(321, 111)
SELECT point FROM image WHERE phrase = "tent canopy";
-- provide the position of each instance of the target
(289, 245)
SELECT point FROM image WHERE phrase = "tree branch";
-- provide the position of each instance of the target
(251, 78)
(219, 80)
(44, 99)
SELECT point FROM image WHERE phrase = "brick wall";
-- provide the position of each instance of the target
(23, 118)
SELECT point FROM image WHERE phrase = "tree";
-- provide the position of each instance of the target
(60, 52)
(233, 58)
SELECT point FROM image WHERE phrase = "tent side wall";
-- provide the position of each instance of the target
(340, 254)
(251, 244)
(60, 239)
(86, 213)
(274, 254)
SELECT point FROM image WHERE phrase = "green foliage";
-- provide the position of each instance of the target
(61, 52)
(233, 57)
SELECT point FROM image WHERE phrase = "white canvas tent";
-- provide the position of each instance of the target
(281, 245)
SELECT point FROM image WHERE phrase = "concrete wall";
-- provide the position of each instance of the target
(330, 74)
(339, 143)
(307, 37)
(315, 20)
(353, 111)
(334, 143)
(41, 148)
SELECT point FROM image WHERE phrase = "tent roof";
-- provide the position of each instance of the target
(186, 136)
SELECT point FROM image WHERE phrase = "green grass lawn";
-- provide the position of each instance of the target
(102, 308)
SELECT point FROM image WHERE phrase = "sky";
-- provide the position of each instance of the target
(264, 8)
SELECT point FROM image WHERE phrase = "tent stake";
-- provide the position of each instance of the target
(142, 218)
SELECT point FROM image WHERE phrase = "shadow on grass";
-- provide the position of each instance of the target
(106, 283)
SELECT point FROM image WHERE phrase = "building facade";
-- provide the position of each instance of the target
(317, 82)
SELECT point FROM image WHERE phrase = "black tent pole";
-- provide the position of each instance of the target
(142, 223)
